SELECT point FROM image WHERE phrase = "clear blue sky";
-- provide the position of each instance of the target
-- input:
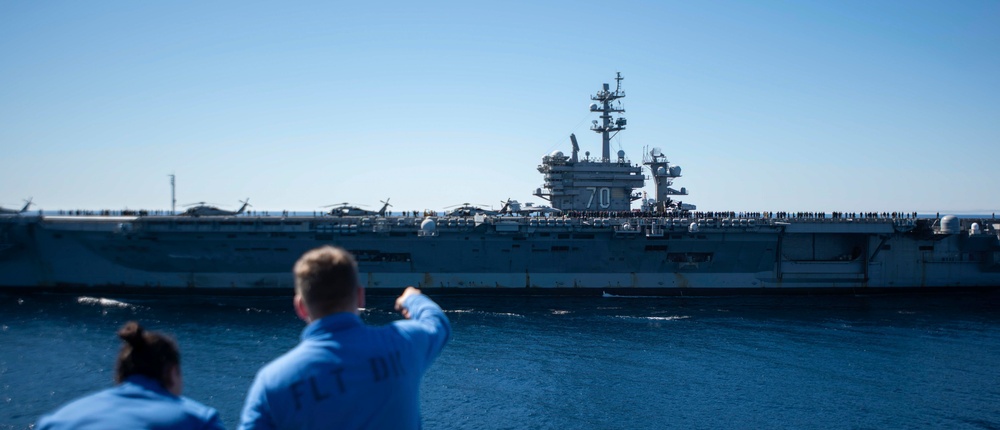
(766, 105)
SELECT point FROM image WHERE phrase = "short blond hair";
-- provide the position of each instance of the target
(326, 278)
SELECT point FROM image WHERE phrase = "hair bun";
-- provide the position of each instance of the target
(132, 333)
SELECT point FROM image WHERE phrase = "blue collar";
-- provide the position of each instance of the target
(332, 323)
(145, 383)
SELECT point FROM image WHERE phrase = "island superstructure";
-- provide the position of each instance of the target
(591, 240)
(575, 184)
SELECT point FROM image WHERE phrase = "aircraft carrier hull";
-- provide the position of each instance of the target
(531, 255)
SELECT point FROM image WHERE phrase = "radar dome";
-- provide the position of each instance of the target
(428, 225)
(593, 106)
(556, 154)
(950, 224)
(660, 171)
(621, 154)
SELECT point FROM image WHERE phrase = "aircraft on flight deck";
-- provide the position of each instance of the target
(202, 209)
(525, 209)
(345, 209)
(27, 203)
(467, 209)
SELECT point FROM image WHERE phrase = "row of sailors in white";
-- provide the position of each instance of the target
(790, 215)
(585, 214)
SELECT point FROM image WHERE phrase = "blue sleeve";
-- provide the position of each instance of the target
(214, 422)
(256, 411)
(208, 416)
(427, 323)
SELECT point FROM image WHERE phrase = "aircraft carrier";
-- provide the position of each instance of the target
(590, 240)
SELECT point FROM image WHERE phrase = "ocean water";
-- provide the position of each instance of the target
(568, 362)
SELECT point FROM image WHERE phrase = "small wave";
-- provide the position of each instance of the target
(559, 312)
(473, 311)
(670, 318)
(503, 314)
(101, 301)
(616, 296)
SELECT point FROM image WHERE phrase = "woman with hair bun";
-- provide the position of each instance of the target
(146, 395)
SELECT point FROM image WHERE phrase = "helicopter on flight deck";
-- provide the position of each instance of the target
(345, 209)
(203, 209)
(27, 203)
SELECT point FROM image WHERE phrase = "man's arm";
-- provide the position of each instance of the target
(401, 300)
(429, 316)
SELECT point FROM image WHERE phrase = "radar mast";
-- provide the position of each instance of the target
(608, 124)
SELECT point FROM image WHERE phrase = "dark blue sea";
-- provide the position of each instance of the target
(568, 362)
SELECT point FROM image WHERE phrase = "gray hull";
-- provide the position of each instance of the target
(497, 253)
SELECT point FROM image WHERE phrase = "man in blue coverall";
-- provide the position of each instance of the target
(343, 373)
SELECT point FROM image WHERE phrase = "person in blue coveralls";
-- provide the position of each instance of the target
(345, 374)
(147, 394)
